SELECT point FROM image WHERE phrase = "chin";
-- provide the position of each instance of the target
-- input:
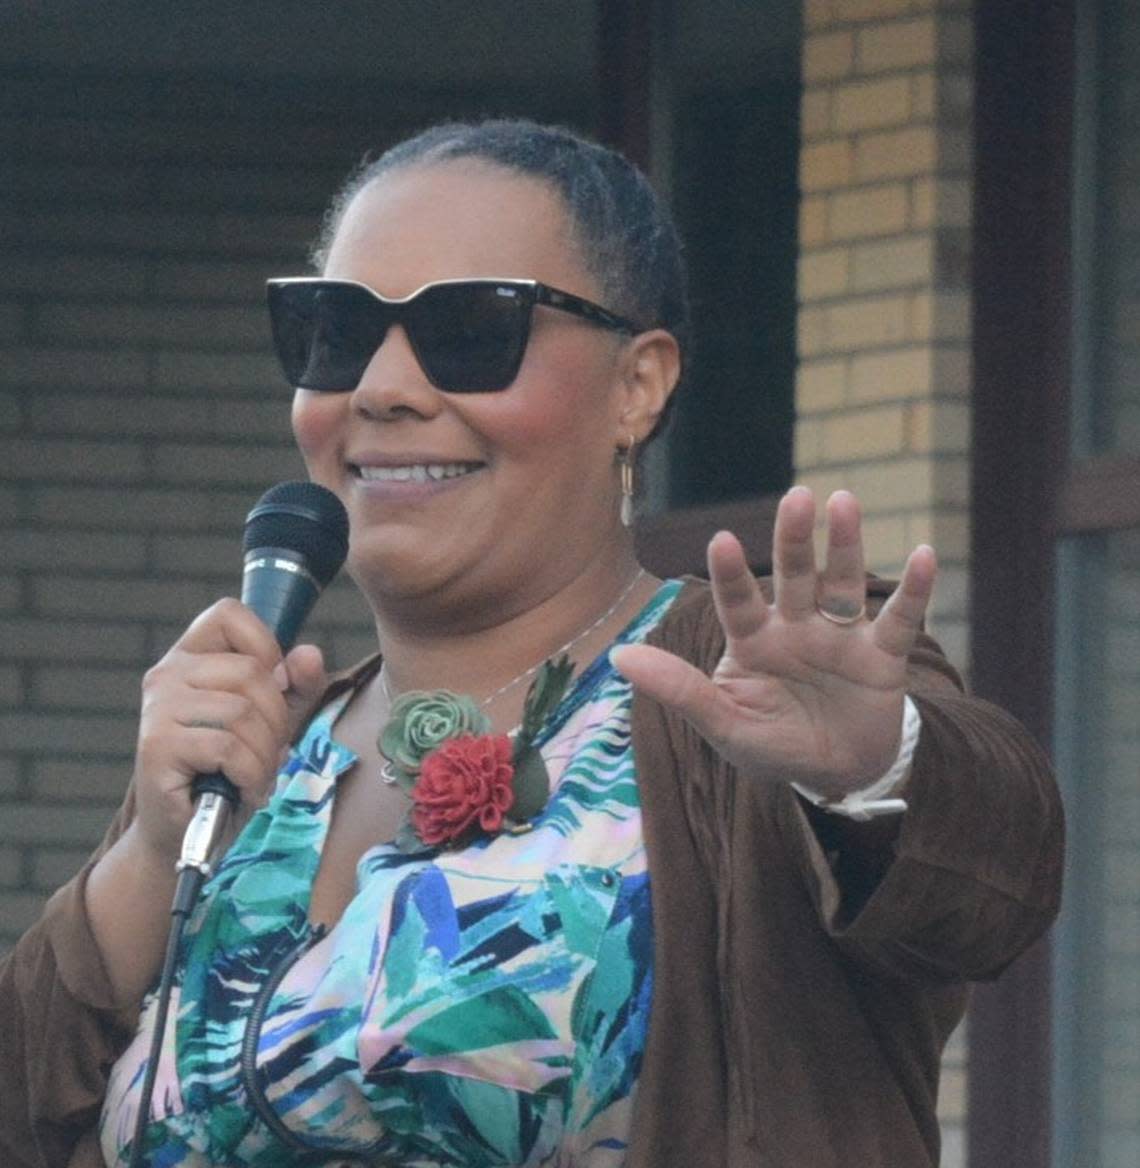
(393, 573)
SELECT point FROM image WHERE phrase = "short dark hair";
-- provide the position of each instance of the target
(626, 234)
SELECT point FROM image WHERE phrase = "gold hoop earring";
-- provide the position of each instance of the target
(626, 453)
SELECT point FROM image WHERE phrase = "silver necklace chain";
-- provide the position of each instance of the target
(594, 625)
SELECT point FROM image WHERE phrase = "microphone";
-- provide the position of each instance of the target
(295, 540)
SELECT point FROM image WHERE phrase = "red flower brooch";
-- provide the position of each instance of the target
(463, 780)
(464, 783)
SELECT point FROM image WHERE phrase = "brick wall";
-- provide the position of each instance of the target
(883, 384)
(140, 413)
(882, 394)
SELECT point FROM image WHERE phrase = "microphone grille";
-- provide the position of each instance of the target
(307, 519)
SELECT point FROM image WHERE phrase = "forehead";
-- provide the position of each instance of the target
(455, 219)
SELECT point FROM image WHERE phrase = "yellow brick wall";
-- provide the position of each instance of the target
(883, 329)
(883, 336)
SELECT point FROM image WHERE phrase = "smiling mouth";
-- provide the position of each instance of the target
(419, 472)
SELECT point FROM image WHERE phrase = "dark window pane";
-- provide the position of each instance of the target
(1097, 995)
(735, 143)
(1107, 200)
(736, 203)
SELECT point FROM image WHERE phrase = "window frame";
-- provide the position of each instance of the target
(1030, 492)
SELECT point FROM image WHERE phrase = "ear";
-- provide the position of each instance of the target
(651, 367)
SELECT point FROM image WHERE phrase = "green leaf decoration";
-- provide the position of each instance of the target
(406, 839)
(531, 784)
(544, 695)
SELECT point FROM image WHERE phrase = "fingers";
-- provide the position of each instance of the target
(838, 592)
(213, 713)
(800, 592)
(305, 681)
(841, 590)
(205, 687)
(215, 702)
(237, 751)
(740, 604)
(793, 555)
(219, 716)
(895, 628)
(228, 626)
(229, 664)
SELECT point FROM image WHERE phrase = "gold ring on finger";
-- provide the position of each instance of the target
(836, 619)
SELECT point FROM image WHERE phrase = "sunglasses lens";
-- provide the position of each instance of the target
(470, 337)
(325, 333)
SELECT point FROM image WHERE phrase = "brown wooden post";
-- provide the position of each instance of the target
(1021, 326)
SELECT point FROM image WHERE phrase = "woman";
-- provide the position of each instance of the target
(637, 943)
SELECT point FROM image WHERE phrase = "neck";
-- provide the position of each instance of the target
(480, 660)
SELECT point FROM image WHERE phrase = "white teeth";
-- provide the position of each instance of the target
(417, 472)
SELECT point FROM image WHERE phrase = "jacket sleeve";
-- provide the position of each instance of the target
(59, 1030)
(970, 875)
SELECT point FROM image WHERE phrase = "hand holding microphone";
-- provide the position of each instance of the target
(223, 702)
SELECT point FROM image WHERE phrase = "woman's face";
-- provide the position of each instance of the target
(529, 493)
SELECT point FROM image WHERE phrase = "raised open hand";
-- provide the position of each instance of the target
(809, 689)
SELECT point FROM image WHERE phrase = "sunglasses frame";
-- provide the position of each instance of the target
(534, 292)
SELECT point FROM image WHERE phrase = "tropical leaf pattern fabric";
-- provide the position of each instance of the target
(477, 1008)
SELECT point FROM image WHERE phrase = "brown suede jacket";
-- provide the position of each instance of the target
(807, 969)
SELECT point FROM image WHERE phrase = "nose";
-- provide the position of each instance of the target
(393, 384)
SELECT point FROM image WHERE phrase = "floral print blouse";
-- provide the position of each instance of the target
(485, 1007)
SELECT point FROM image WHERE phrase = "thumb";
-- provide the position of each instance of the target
(303, 679)
(673, 682)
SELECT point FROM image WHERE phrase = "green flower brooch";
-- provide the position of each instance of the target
(464, 780)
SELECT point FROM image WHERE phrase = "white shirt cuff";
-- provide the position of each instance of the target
(874, 800)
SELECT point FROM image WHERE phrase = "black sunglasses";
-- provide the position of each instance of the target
(469, 336)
